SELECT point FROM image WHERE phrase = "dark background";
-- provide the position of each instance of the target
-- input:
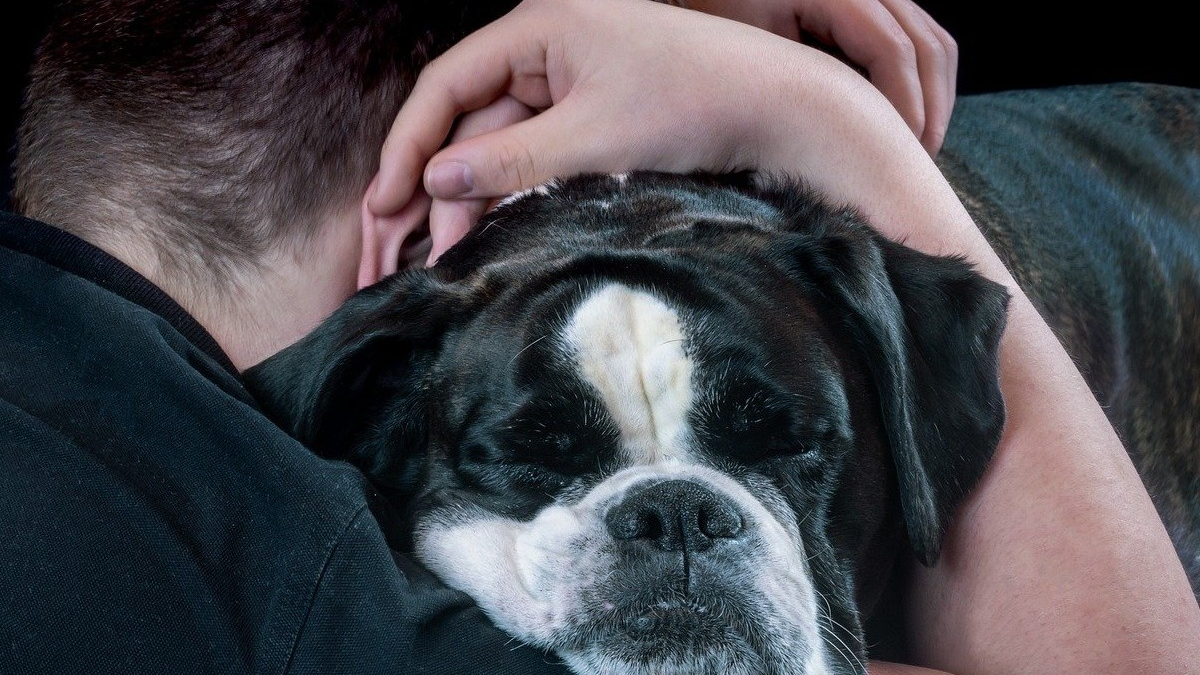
(1002, 45)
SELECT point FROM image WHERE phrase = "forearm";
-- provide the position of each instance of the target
(1059, 553)
(1059, 550)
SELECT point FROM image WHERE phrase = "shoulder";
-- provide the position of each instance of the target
(159, 521)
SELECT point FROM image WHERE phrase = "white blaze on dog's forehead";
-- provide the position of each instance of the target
(629, 346)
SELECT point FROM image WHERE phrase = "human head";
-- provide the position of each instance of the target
(214, 133)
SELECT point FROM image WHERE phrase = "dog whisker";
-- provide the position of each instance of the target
(828, 614)
(514, 358)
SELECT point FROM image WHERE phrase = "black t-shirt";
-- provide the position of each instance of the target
(152, 520)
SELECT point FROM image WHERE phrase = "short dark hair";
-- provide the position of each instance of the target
(223, 127)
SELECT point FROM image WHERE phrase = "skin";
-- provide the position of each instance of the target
(1058, 562)
(910, 58)
(907, 56)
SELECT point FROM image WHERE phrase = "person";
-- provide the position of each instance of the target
(1059, 48)
(208, 166)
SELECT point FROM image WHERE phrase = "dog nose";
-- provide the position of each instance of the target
(675, 515)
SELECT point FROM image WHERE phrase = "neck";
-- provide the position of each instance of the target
(270, 311)
(259, 313)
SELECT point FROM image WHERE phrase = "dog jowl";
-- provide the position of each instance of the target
(664, 424)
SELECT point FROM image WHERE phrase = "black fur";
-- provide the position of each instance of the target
(413, 377)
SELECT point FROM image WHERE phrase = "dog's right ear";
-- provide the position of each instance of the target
(353, 388)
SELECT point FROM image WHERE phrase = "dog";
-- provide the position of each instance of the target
(665, 423)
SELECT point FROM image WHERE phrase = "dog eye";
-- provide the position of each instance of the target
(565, 448)
(478, 453)
(784, 446)
(771, 436)
(776, 433)
(492, 466)
(534, 477)
(807, 444)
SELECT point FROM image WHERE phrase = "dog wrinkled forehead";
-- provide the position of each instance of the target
(646, 193)
(649, 300)
(608, 212)
(630, 348)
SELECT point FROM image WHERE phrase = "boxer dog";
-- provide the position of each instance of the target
(690, 424)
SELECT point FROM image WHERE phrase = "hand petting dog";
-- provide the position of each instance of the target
(610, 81)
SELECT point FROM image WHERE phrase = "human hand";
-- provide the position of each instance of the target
(628, 84)
(905, 53)
(456, 216)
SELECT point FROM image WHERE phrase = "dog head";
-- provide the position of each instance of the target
(664, 424)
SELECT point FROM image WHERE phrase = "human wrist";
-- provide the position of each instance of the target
(828, 126)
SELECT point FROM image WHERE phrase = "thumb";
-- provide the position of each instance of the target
(557, 142)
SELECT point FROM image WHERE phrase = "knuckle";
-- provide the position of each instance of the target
(898, 42)
(904, 49)
(934, 139)
(517, 165)
(437, 80)
(430, 73)
(950, 44)
(924, 36)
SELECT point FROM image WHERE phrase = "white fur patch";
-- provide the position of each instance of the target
(514, 196)
(532, 577)
(630, 347)
(542, 190)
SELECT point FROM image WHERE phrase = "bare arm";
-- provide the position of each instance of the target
(1058, 562)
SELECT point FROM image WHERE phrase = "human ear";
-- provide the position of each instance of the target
(384, 238)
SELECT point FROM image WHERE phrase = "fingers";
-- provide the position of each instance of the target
(937, 65)
(910, 58)
(562, 139)
(505, 56)
(450, 220)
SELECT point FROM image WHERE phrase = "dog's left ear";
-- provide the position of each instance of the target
(928, 329)
(366, 362)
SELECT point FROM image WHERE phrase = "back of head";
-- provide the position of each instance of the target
(214, 131)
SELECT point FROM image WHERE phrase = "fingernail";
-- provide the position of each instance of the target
(449, 179)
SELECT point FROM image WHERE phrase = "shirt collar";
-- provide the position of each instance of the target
(72, 254)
